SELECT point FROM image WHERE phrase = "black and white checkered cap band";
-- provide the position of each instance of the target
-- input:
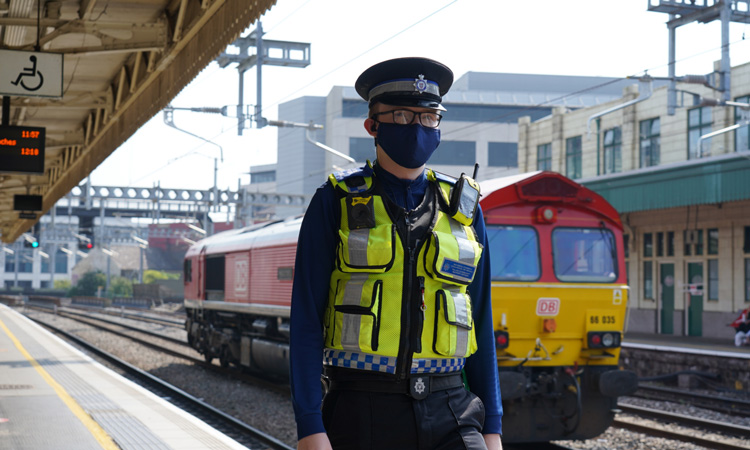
(406, 85)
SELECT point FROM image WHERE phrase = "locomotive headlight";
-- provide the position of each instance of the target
(595, 340)
(608, 340)
(546, 214)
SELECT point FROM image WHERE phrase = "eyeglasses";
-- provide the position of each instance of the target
(406, 116)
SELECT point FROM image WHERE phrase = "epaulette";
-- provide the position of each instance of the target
(355, 180)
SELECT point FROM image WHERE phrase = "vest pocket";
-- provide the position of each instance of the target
(367, 249)
(453, 334)
(452, 258)
(356, 314)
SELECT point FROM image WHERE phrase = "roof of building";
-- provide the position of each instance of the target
(717, 179)
(484, 88)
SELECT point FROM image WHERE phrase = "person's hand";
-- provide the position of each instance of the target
(492, 441)
(317, 441)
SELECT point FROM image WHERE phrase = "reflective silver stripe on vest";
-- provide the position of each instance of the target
(357, 244)
(351, 322)
(462, 318)
(465, 250)
(357, 360)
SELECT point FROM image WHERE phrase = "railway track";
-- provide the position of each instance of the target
(167, 319)
(236, 429)
(651, 429)
(186, 352)
(726, 405)
(693, 435)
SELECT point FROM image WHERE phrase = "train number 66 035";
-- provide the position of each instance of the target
(604, 320)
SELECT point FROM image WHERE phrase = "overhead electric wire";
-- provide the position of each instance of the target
(365, 52)
(473, 124)
(299, 8)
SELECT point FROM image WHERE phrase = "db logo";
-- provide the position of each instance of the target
(547, 306)
(241, 275)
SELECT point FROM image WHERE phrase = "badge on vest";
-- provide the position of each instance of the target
(360, 212)
(419, 387)
(458, 269)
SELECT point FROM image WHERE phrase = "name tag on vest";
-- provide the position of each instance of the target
(458, 269)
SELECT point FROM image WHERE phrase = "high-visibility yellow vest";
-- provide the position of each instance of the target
(393, 308)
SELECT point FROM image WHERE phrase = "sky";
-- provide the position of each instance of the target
(613, 38)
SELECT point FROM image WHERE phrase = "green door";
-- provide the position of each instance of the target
(695, 312)
(666, 287)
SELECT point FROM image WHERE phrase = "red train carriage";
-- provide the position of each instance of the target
(238, 287)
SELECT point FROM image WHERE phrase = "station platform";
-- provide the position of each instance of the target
(710, 345)
(52, 396)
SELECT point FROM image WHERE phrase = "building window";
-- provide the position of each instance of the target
(742, 134)
(45, 264)
(747, 280)
(502, 154)
(650, 142)
(670, 243)
(659, 244)
(648, 245)
(263, 177)
(362, 149)
(713, 279)
(61, 262)
(354, 108)
(573, 157)
(455, 153)
(699, 123)
(26, 261)
(10, 263)
(613, 150)
(693, 238)
(746, 245)
(627, 271)
(492, 113)
(699, 244)
(626, 244)
(648, 280)
(713, 241)
(544, 157)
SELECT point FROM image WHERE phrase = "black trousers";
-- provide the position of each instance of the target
(445, 420)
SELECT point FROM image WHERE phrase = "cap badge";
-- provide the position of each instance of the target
(420, 84)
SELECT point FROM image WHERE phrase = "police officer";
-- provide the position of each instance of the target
(391, 296)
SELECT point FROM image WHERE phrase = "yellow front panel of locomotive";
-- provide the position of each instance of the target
(548, 324)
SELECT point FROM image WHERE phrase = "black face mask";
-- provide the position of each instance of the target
(408, 146)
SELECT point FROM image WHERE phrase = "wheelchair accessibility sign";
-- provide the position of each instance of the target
(31, 74)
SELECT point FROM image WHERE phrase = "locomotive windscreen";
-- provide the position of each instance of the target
(584, 255)
(514, 253)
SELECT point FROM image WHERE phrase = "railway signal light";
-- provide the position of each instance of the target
(31, 241)
(85, 241)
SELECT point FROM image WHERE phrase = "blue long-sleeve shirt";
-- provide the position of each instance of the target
(312, 273)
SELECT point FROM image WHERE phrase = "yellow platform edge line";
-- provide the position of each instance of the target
(101, 436)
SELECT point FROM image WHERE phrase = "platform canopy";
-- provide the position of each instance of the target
(123, 61)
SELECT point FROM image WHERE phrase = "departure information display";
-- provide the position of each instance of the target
(22, 149)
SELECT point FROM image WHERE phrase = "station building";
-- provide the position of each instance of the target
(479, 126)
(681, 183)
